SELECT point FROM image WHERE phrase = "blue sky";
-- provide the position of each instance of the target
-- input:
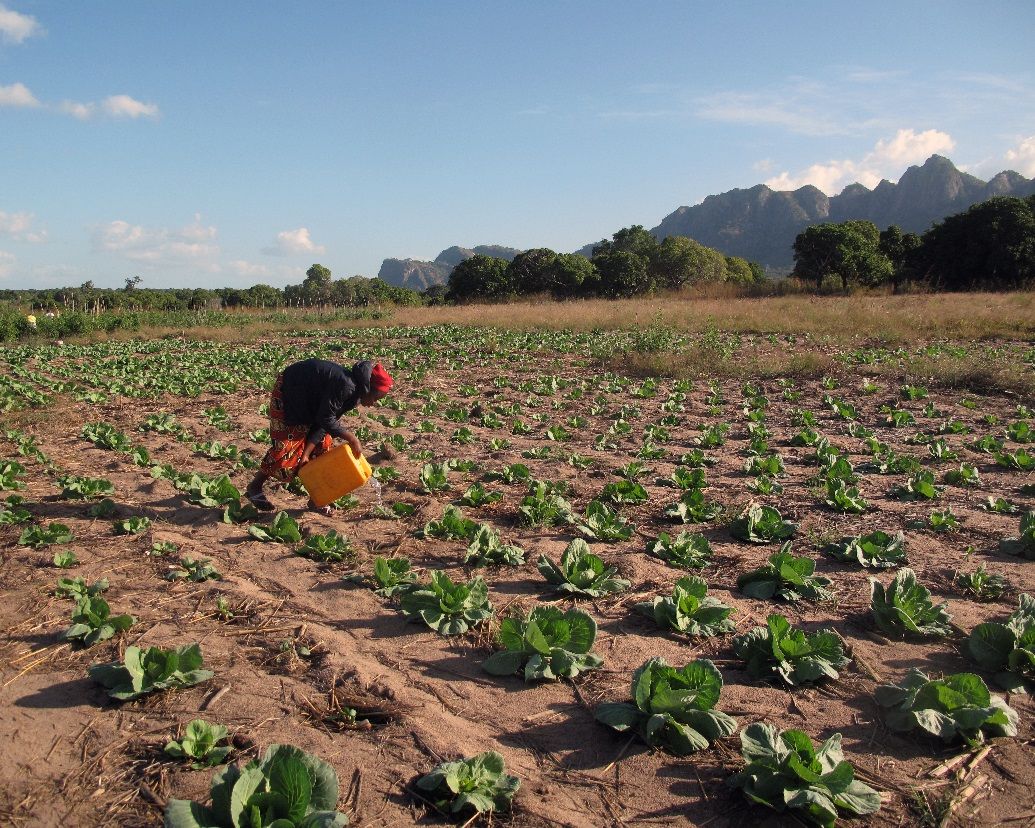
(231, 143)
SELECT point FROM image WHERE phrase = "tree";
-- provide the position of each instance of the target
(263, 296)
(900, 249)
(528, 272)
(849, 250)
(317, 285)
(679, 261)
(989, 246)
(132, 282)
(571, 274)
(435, 295)
(479, 277)
(623, 263)
(739, 270)
(635, 240)
(622, 274)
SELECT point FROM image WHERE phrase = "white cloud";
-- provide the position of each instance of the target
(769, 110)
(908, 147)
(192, 244)
(18, 227)
(831, 177)
(244, 268)
(123, 106)
(885, 160)
(6, 263)
(763, 166)
(16, 27)
(82, 111)
(868, 75)
(114, 106)
(1022, 157)
(293, 243)
(17, 94)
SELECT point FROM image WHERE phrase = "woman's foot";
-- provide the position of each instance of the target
(259, 500)
(327, 511)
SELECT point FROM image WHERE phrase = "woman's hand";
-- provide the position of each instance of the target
(307, 453)
(357, 449)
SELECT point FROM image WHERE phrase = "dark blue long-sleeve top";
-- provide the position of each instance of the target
(317, 392)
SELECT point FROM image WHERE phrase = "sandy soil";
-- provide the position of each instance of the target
(303, 637)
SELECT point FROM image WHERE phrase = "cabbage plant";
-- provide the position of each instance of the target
(603, 522)
(287, 788)
(845, 498)
(92, 622)
(434, 477)
(486, 548)
(1008, 650)
(477, 495)
(1022, 459)
(10, 475)
(547, 645)
(448, 608)
(332, 547)
(778, 651)
(82, 488)
(905, 607)
(689, 610)
(623, 491)
(12, 512)
(786, 576)
(393, 575)
(543, 506)
(581, 572)
(479, 784)
(451, 526)
(762, 524)
(919, 486)
(686, 550)
(77, 588)
(786, 772)
(1024, 544)
(953, 708)
(200, 745)
(877, 549)
(145, 671)
(693, 508)
(282, 529)
(211, 492)
(672, 708)
(38, 536)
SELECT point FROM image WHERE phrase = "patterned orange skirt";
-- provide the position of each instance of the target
(283, 457)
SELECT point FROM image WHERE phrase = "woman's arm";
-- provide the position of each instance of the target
(335, 400)
(347, 436)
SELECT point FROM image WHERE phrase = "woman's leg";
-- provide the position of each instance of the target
(256, 496)
(254, 492)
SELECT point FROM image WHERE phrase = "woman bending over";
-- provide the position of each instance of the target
(307, 400)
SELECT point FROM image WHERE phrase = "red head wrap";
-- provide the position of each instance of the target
(380, 381)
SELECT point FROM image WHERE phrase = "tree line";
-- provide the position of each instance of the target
(630, 263)
(318, 290)
(990, 246)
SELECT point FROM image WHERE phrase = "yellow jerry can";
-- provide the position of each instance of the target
(333, 474)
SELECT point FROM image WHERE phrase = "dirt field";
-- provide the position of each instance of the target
(302, 635)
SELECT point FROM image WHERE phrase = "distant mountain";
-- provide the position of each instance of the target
(419, 275)
(761, 224)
